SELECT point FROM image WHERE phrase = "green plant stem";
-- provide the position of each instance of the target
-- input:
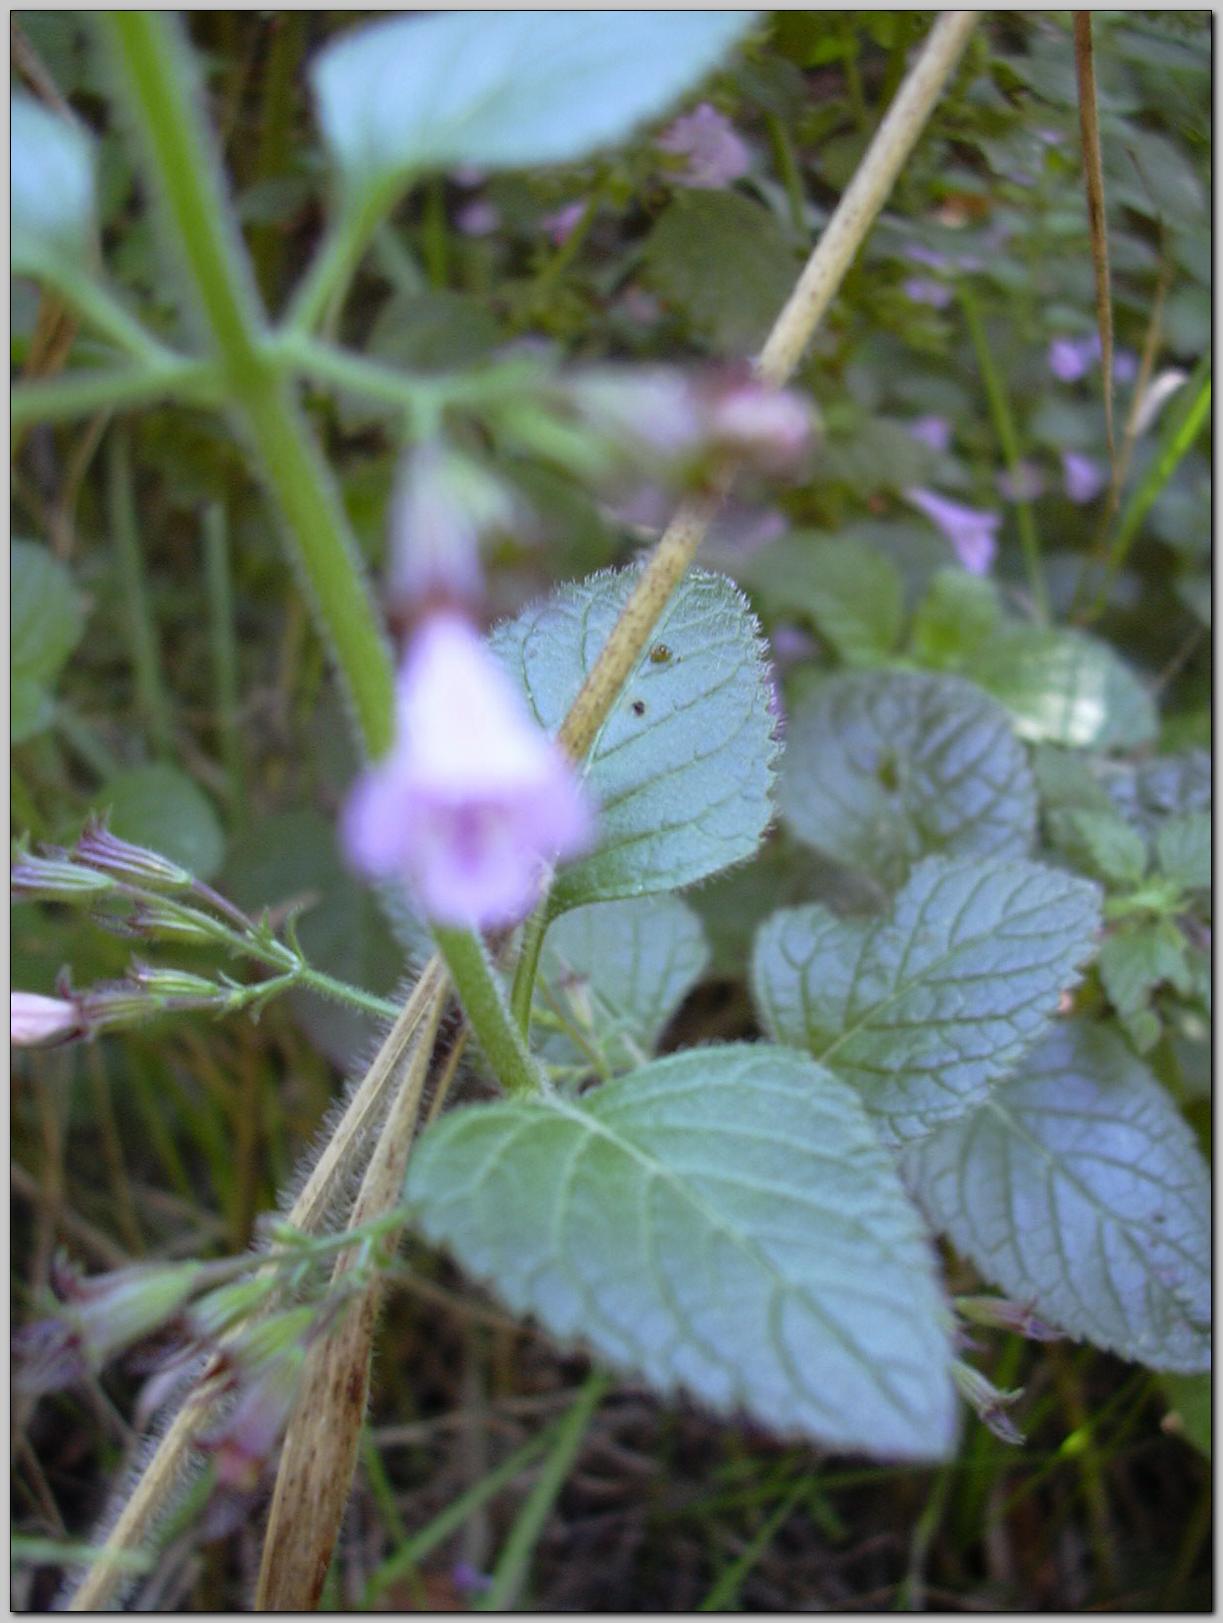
(101, 311)
(1008, 439)
(418, 397)
(223, 644)
(724, 1596)
(342, 992)
(157, 73)
(434, 233)
(484, 1004)
(1177, 439)
(787, 168)
(333, 267)
(526, 969)
(146, 660)
(82, 393)
(514, 1561)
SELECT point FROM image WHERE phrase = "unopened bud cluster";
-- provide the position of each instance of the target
(141, 895)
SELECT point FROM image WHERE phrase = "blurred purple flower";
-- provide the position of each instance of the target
(925, 290)
(474, 801)
(479, 218)
(972, 533)
(791, 645)
(932, 431)
(443, 503)
(930, 257)
(470, 1580)
(1084, 477)
(1026, 486)
(560, 224)
(1125, 366)
(716, 154)
(771, 426)
(1072, 358)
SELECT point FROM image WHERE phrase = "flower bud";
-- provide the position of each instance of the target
(714, 153)
(54, 878)
(157, 918)
(990, 1403)
(770, 427)
(443, 503)
(997, 1313)
(99, 848)
(43, 1022)
(100, 1317)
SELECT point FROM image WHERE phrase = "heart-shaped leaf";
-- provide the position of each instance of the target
(884, 767)
(1078, 1188)
(924, 1009)
(682, 768)
(723, 1221)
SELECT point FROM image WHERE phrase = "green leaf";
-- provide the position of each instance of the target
(955, 619)
(683, 766)
(45, 614)
(612, 975)
(162, 808)
(1137, 958)
(31, 708)
(1160, 788)
(51, 188)
(854, 596)
(723, 260)
(504, 90)
(883, 768)
(1078, 1188)
(723, 1222)
(1114, 850)
(1190, 1400)
(923, 1010)
(1067, 687)
(1182, 846)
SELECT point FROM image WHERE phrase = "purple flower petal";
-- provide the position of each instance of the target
(560, 224)
(474, 802)
(972, 533)
(1072, 358)
(716, 154)
(925, 290)
(1083, 475)
(932, 431)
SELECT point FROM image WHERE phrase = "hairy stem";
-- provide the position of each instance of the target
(484, 1003)
(157, 71)
(320, 1451)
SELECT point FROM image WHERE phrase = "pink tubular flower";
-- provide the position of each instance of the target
(1083, 477)
(38, 1022)
(716, 154)
(972, 533)
(474, 802)
(479, 218)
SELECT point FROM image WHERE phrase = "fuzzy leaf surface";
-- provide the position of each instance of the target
(723, 1222)
(883, 767)
(923, 1010)
(683, 767)
(612, 975)
(1078, 1187)
(504, 89)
